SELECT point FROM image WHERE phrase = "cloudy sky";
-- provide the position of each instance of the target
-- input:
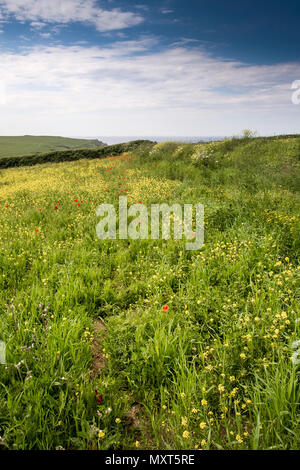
(170, 67)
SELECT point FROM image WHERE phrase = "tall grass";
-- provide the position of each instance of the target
(214, 370)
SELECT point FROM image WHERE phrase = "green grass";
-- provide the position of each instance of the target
(25, 145)
(103, 151)
(214, 371)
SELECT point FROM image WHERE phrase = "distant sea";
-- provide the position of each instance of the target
(111, 140)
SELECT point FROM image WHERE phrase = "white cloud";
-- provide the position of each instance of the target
(45, 35)
(3, 94)
(37, 24)
(127, 89)
(66, 11)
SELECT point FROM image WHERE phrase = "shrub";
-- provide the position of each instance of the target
(71, 155)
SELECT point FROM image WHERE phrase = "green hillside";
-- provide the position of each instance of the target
(13, 146)
(71, 155)
(135, 343)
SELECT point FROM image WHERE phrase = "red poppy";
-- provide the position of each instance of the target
(55, 208)
(99, 397)
(36, 230)
(165, 308)
(6, 206)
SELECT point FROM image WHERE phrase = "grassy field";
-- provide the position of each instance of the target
(126, 344)
(28, 144)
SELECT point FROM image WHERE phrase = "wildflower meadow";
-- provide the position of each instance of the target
(142, 344)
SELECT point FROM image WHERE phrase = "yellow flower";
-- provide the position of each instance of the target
(202, 425)
(203, 443)
(243, 356)
(118, 420)
(221, 388)
(185, 434)
(137, 444)
(183, 421)
(232, 378)
(101, 434)
(194, 410)
(203, 402)
(238, 438)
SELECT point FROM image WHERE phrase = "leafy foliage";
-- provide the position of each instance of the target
(198, 346)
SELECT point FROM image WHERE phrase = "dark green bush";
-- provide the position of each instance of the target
(71, 155)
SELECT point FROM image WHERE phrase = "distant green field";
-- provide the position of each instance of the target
(23, 145)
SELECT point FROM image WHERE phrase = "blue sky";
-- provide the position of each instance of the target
(171, 67)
